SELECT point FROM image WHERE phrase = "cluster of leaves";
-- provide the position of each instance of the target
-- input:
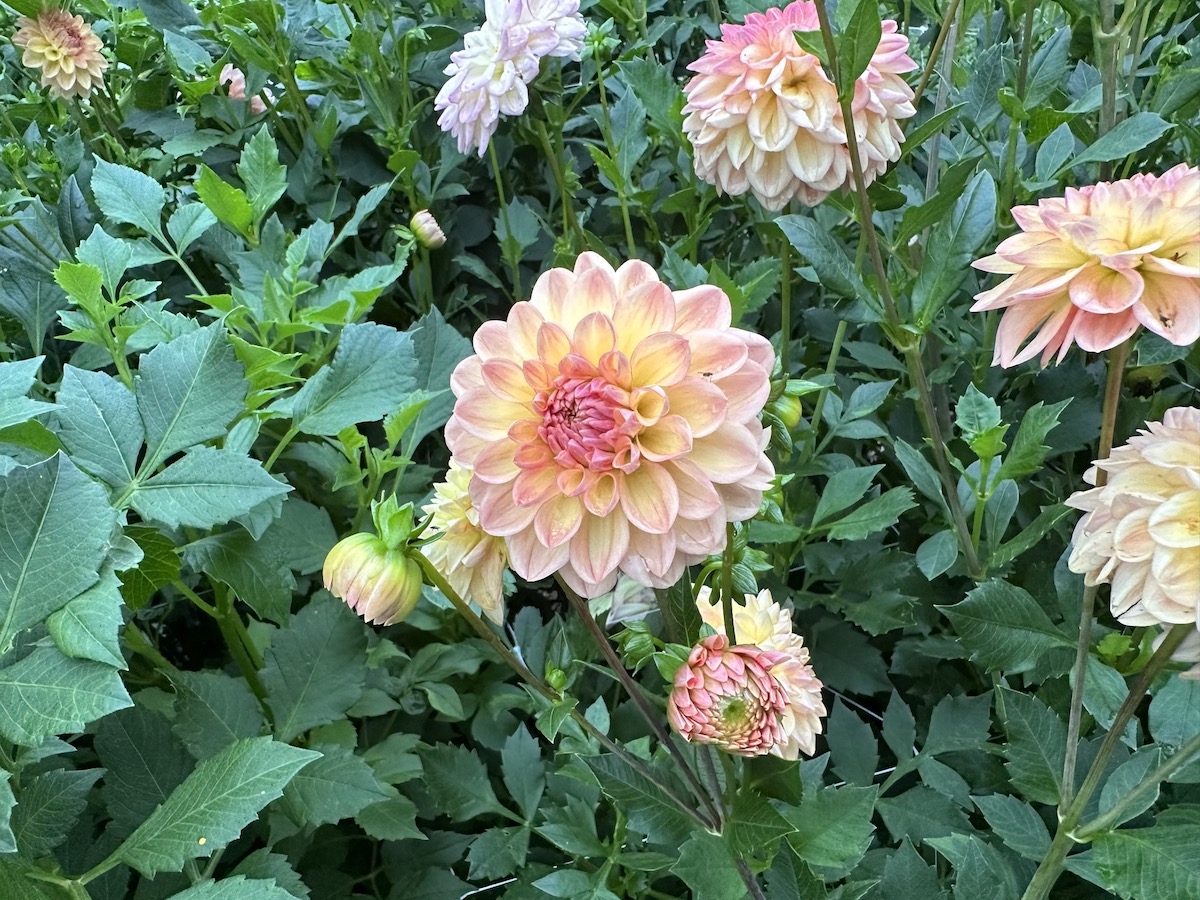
(216, 353)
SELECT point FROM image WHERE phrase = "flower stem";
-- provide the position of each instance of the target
(785, 306)
(931, 63)
(570, 220)
(653, 719)
(1052, 864)
(434, 577)
(612, 150)
(903, 339)
(1108, 423)
(514, 264)
(727, 586)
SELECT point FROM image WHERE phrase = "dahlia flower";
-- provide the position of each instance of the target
(379, 584)
(1090, 267)
(763, 116)
(727, 696)
(234, 80)
(426, 230)
(488, 77)
(1187, 652)
(1141, 531)
(763, 623)
(612, 425)
(65, 49)
(466, 556)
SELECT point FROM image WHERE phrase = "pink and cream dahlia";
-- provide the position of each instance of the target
(1090, 267)
(763, 116)
(763, 623)
(65, 50)
(612, 426)
(727, 696)
(1141, 530)
(234, 81)
(466, 556)
(489, 76)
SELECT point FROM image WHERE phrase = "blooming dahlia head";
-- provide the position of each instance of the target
(763, 116)
(612, 425)
(65, 49)
(1141, 530)
(728, 696)
(234, 80)
(1090, 267)
(765, 624)
(466, 556)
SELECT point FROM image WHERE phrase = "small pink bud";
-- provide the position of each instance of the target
(379, 584)
(427, 230)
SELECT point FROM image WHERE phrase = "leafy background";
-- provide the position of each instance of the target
(220, 343)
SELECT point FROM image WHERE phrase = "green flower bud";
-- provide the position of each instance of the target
(556, 678)
(787, 409)
(379, 584)
(426, 230)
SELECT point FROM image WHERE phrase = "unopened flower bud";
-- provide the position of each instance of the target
(556, 678)
(787, 409)
(379, 584)
(427, 230)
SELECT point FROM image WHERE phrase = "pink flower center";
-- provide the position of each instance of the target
(586, 424)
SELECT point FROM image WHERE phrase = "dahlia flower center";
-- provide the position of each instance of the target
(587, 424)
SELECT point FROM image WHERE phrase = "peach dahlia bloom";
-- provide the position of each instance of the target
(765, 624)
(1090, 267)
(763, 116)
(612, 426)
(727, 696)
(1141, 530)
(466, 556)
(65, 49)
(234, 80)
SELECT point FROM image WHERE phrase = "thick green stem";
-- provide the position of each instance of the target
(1052, 865)
(570, 220)
(612, 152)
(434, 577)
(785, 306)
(514, 264)
(1108, 423)
(1008, 183)
(727, 586)
(830, 368)
(982, 495)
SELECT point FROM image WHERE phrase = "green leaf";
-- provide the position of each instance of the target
(56, 529)
(1175, 712)
(754, 823)
(1030, 536)
(523, 771)
(920, 814)
(88, 626)
(206, 487)
(874, 515)
(391, 820)
(844, 489)
(220, 798)
(438, 348)
(144, 762)
(647, 807)
(1004, 628)
(16, 882)
(316, 667)
(1125, 777)
(1037, 745)
(212, 711)
(16, 378)
(236, 888)
(109, 256)
(919, 470)
(1055, 150)
(188, 224)
(1016, 823)
(97, 421)
(906, 876)
(188, 391)
(31, 295)
(335, 787)
(852, 745)
(50, 805)
(937, 554)
(260, 170)
(857, 44)
(976, 413)
(1151, 863)
(899, 728)
(833, 825)
(126, 195)
(834, 269)
(8, 842)
(1130, 135)
(256, 570)
(268, 866)
(953, 244)
(1028, 452)
(498, 852)
(683, 611)
(302, 536)
(959, 723)
(659, 93)
(228, 203)
(46, 693)
(371, 374)
(709, 869)
(159, 565)
(981, 872)
(458, 782)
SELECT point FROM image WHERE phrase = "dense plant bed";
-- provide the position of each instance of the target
(645, 450)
